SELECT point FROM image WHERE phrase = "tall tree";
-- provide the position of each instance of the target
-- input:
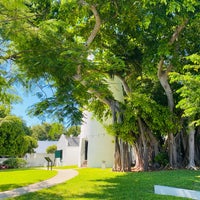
(47, 131)
(189, 101)
(79, 53)
(13, 139)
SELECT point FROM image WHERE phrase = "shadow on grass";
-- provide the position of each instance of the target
(103, 184)
(39, 196)
(5, 187)
(129, 186)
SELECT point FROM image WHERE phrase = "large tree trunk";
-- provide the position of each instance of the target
(139, 165)
(117, 156)
(191, 164)
(145, 145)
(197, 147)
(122, 161)
(163, 78)
(121, 155)
(127, 154)
(145, 148)
(172, 150)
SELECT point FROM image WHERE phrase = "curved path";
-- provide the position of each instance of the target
(62, 176)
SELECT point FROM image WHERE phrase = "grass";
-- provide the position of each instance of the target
(14, 178)
(107, 185)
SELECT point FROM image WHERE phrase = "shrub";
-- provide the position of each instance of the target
(15, 163)
(51, 149)
(162, 159)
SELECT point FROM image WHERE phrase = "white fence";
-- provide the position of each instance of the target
(38, 159)
(2, 160)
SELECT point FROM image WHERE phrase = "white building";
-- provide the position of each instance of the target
(38, 158)
(69, 150)
(96, 145)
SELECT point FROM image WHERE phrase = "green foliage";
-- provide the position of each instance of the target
(15, 163)
(73, 130)
(39, 132)
(47, 42)
(189, 89)
(156, 117)
(162, 159)
(56, 131)
(7, 95)
(47, 131)
(31, 144)
(53, 131)
(12, 136)
(51, 149)
(4, 111)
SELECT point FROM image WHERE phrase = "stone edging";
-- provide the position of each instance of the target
(165, 190)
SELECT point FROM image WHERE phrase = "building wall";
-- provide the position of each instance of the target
(38, 159)
(70, 153)
(100, 144)
(101, 154)
(70, 156)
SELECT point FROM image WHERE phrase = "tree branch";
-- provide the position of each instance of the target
(160, 67)
(177, 32)
(174, 37)
(125, 85)
(90, 39)
(99, 96)
(96, 27)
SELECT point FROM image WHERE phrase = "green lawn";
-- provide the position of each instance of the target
(14, 178)
(107, 185)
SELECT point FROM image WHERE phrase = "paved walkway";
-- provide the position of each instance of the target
(62, 176)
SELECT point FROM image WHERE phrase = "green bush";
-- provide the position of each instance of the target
(15, 163)
(51, 149)
(162, 159)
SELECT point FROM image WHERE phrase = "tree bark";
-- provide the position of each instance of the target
(117, 156)
(144, 144)
(139, 165)
(145, 148)
(191, 164)
(122, 156)
(163, 78)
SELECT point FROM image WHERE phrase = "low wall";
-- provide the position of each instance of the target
(178, 192)
(38, 159)
(2, 160)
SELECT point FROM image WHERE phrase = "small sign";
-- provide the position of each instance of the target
(58, 154)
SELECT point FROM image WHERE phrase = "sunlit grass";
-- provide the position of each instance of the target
(10, 179)
(107, 185)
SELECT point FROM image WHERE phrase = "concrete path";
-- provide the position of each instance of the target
(62, 176)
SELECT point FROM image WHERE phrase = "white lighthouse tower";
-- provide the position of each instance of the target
(96, 145)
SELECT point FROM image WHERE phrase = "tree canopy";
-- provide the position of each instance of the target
(53, 131)
(78, 48)
(13, 138)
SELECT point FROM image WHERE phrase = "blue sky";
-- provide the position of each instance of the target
(20, 109)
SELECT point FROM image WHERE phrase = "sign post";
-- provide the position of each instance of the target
(49, 162)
